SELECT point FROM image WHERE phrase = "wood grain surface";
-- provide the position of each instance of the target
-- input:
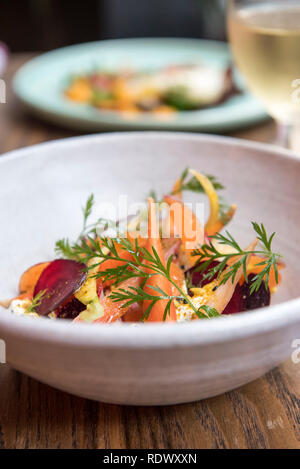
(263, 414)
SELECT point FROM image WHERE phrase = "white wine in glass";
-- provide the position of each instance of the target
(265, 41)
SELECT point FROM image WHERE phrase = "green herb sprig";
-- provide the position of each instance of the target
(209, 254)
(89, 246)
(87, 210)
(65, 249)
(106, 249)
(36, 301)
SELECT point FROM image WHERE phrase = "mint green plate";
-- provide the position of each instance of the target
(40, 83)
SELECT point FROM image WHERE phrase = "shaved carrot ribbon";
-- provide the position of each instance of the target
(156, 280)
(214, 223)
(184, 224)
(177, 188)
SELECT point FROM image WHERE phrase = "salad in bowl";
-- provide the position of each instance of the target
(159, 265)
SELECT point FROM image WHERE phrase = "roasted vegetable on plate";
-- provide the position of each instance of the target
(160, 92)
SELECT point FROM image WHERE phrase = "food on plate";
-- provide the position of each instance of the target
(164, 91)
(159, 265)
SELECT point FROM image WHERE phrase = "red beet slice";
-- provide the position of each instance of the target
(197, 278)
(60, 280)
(241, 299)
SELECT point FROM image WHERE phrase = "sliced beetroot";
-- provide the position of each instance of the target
(70, 309)
(60, 280)
(242, 300)
(196, 278)
(237, 304)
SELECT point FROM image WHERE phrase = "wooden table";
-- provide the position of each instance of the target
(263, 414)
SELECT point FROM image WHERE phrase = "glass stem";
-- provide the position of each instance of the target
(288, 136)
(284, 135)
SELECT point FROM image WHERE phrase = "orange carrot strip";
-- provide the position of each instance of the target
(176, 188)
(127, 256)
(177, 276)
(134, 237)
(156, 280)
(133, 314)
(184, 224)
(113, 263)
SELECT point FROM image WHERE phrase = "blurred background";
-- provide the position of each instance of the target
(31, 27)
(41, 25)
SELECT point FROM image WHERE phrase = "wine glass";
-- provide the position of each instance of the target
(265, 41)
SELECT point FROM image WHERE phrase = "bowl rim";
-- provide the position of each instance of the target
(195, 333)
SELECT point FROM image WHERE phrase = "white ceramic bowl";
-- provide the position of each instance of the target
(41, 191)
